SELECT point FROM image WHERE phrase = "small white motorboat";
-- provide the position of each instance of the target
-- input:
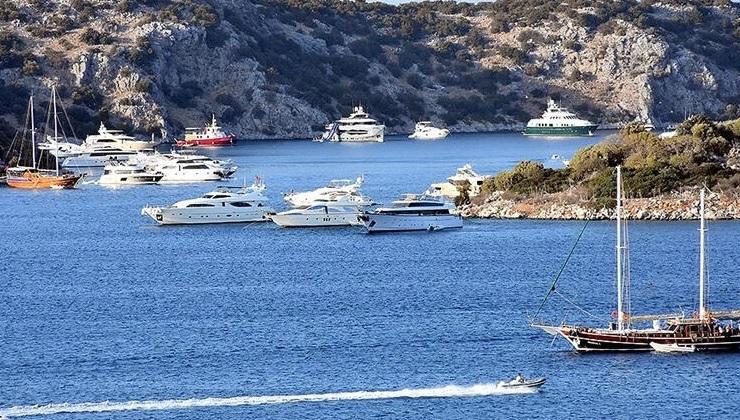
(521, 382)
(672, 348)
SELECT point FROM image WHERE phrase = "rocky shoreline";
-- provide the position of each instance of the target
(568, 206)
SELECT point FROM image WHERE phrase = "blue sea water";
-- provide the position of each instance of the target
(97, 303)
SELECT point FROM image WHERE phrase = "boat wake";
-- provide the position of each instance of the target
(449, 391)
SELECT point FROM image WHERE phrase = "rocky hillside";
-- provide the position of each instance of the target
(283, 68)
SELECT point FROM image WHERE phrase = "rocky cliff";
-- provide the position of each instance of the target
(682, 205)
(283, 68)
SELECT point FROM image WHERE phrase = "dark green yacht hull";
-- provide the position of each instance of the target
(586, 130)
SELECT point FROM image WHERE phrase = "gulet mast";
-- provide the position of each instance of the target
(702, 259)
(56, 128)
(620, 322)
(33, 133)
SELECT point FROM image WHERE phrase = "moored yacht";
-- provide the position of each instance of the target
(464, 176)
(558, 121)
(117, 139)
(223, 205)
(94, 158)
(425, 130)
(358, 127)
(210, 135)
(701, 332)
(34, 176)
(413, 213)
(319, 215)
(181, 167)
(128, 174)
(345, 190)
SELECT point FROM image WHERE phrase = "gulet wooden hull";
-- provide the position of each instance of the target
(34, 180)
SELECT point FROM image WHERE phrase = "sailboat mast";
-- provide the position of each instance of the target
(33, 133)
(620, 322)
(56, 136)
(702, 266)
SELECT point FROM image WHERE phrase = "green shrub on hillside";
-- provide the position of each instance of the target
(651, 165)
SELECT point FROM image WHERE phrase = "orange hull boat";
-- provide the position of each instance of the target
(31, 179)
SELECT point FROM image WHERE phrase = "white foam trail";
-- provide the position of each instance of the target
(449, 391)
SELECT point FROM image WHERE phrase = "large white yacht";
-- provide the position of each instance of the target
(95, 158)
(355, 128)
(116, 138)
(451, 188)
(558, 121)
(425, 130)
(181, 167)
(223, 205)
(320, 215)
(413, 213)
(339, 191)
(128, 174)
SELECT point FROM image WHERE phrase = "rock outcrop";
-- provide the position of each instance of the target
(560, 206)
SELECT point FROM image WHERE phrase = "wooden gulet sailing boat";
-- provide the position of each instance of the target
(34, 177)
(702, 332)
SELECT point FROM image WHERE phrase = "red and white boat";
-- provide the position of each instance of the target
(210, 135)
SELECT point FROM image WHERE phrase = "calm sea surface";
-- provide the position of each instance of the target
(97, 303)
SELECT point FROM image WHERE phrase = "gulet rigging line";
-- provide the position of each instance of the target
(560, 272)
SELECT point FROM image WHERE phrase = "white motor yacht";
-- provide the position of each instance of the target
(331, 192)
(558, 121)
(358, 127)
(128, 174)
(223, 205)
(320, 215)
(181, 167)
(450, 189)
(116, 139)
(96, 158)
(413, 213)
(425, 130)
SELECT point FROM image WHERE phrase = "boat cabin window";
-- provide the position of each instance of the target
(423, 204)
(200, 205)
(195, 167)
(241, 204)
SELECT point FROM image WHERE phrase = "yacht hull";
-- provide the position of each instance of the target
(370, 138)
(94, 162)
(35, 181)
(586, 130)
(214, 142)
(129, 179)
(315, 220)
(585, 340)
(205, 175)
(126, 145)
(196, 216)
(407, 223)
(430, 135)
